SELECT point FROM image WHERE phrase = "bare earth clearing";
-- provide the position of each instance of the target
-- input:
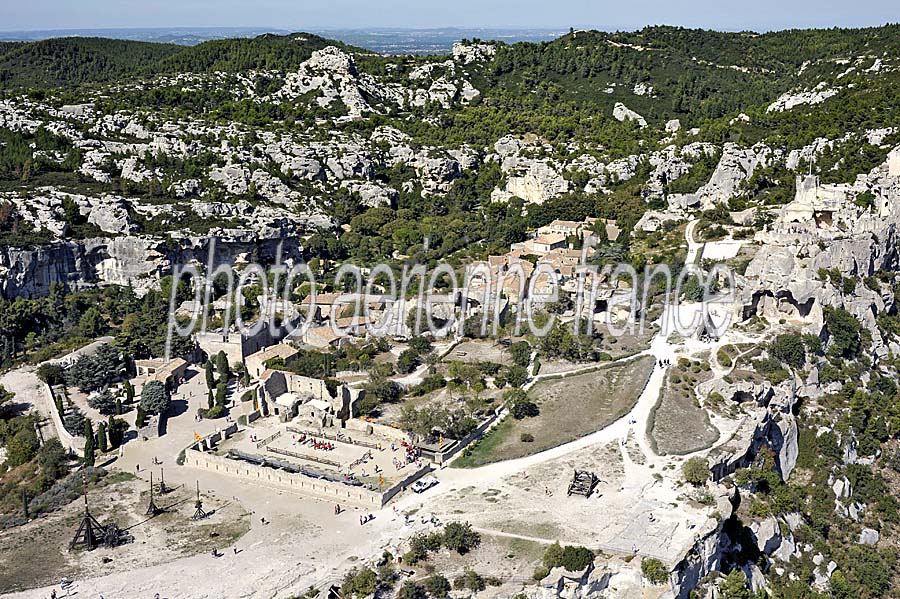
(37, 553)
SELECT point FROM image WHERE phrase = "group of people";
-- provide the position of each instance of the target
(320, 445)
(411, 455)
(364, 518)
(662, 363)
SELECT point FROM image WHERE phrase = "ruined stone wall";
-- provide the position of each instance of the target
(70, 442)
(290, 482)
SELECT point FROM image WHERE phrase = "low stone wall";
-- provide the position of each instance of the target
(396, 488)
(151, 429)
(300, 484)
(442, 458)
(375, 429)
(287, 481)
(70, 442)
(220, 434)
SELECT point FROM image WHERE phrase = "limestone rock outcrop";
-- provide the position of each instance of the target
(622, 113)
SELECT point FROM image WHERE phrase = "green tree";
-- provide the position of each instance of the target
(103, 402)
(692, 289)
(115, 430)
(516, 375)
(844, 330)
(210, 374)
(790, 349)
(407, 361)
(654, 570)
(22, 447)
(92, 324)
(411, 590)
(359, 584)
(437, 586)
(460, 537)
(53, 460)
(154, 398)
(89, 448)
(140, 418)
(101, 438)
(572, 558)
(221, 391)
(520, 405)
(222, 367)
(735, 586)
(5, 398)
(51, 374)
(92, 372)
(471, 580)
(695, 471)
(576, 559)
(520, 352)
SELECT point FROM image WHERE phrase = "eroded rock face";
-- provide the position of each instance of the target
(535, 180)
(767, 535)
(48, 211)
(703, 558)
(234, 178)
(437, 174)
(868, 536)
(332, 73)
(29, 273)
(469, 53)
(622, 113)
(138, 261)
(372, 194)
(111, 217)
(539, 183)
(736, 166)
(562, 584)
(823, 228)
(815, 96)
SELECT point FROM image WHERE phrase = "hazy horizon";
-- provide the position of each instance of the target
(305, 15)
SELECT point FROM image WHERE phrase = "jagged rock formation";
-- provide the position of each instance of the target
(130, 260)
(736, 166)
(623, 113)
(815, 96)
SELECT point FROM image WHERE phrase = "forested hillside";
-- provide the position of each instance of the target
(279, 52)
(76, 60)
(71, 61)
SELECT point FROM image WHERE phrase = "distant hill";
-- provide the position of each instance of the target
(692, 72)
(268, 51)
(72, 61)
(183, 36)
(6, 47)
(697, 72)
(78, 60)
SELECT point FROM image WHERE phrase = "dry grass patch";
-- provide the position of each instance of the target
(570, 407)
(679, 425)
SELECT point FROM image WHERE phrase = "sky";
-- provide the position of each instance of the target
(758, 15)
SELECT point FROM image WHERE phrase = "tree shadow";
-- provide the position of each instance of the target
(177, 407)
